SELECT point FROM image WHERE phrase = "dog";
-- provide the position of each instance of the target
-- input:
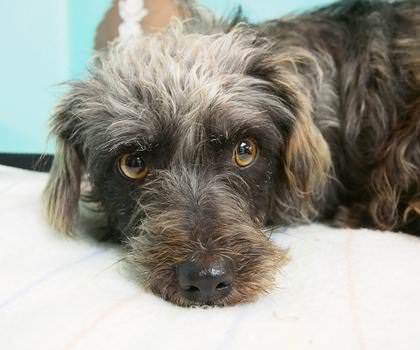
(197, 141)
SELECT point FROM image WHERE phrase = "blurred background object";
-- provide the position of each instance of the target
(45, 43)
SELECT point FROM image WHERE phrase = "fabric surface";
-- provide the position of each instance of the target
(342, 289)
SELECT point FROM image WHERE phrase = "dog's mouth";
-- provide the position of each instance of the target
(192, 298)
(201, 245)
(226, 270)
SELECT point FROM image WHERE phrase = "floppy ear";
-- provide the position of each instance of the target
(61, 195)
(62, 192)
(308, 159)
(307, 167)
(297, 80)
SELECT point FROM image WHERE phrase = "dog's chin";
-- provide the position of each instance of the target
(179, 300)
(172, 294)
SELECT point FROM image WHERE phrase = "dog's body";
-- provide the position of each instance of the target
(367, 107)
(196, 139)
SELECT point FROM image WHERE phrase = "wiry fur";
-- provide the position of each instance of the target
(331, 97)
(229, 234)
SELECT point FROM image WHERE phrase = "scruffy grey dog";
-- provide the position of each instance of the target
(197, 140)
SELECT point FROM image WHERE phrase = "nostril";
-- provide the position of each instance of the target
(192, 289)
(222, 285)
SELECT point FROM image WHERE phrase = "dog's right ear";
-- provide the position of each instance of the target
(61, 195)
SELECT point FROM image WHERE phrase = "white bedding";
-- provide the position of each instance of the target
(343, 289)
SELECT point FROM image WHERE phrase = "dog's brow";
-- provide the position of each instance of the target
(130, 134)
(233, 127)
(129, 143)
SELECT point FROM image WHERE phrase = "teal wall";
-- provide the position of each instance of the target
(47, 42)
(260, 10)
(43, 43)
(34, 57)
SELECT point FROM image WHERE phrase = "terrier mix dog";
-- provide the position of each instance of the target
(197, 140)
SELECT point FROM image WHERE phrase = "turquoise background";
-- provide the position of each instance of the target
(260, 10)
(44, 43)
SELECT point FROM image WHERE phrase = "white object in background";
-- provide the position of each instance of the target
(132, 13)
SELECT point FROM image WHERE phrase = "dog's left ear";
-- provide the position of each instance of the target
(307, 166)
(307, 160)
(296, 79)
(61, 195)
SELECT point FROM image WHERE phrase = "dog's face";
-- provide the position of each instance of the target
(191, 143)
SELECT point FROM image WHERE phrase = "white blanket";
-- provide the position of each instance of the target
(342, 289)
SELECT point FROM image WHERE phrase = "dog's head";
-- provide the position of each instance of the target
(193, 144)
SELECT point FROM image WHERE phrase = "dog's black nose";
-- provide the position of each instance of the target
(205, 282)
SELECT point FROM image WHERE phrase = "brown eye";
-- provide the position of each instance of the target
(133, 166)
(245, 152)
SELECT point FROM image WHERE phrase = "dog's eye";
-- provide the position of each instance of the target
(133, 166)
(245, 152)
